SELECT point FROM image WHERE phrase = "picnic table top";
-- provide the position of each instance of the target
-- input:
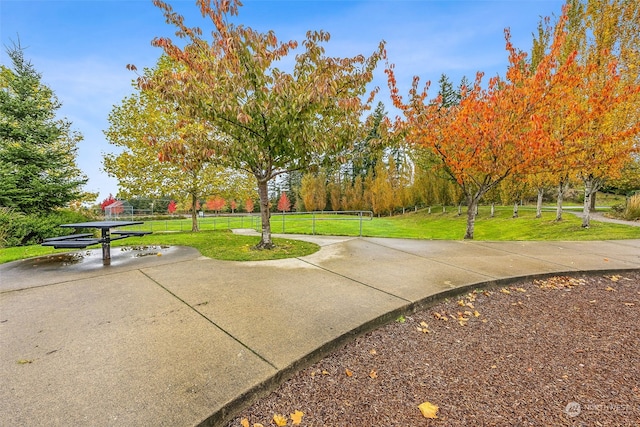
(101, 224)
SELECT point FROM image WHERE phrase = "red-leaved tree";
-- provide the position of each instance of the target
(106, 202)
(172, 207)
(248, 205)
(284, 204)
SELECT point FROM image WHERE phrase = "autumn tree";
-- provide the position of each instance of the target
(107, 201)
(146, 127)
(284, 204)
(248, 205)
(608, 43)
(507, 127)
(172, 207)
(38, 171)
(272, 121)
(314, 191)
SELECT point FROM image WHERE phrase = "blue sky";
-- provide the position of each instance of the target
(82, 47)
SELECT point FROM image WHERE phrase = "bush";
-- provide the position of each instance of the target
(19, 229)
(632, 210)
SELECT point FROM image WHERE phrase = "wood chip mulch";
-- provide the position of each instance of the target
(561, 351)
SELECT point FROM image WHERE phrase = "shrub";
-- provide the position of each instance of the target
(632, 209)
(19, 229)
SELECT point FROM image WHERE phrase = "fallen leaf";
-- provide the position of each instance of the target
(258, 425)
(24, 362)
(244, 422)
(609, 289)
(461, 303)
(424, 324)
(372, 351)
(629, 304)
(593, 301)
(429, 410)
(373, 374)
(614, 278)
(348, 372)
(505, 291)
(476, 314)
(325, 372)
(279, 420)
(296, 417)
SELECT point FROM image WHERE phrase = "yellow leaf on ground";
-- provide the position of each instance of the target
(258, 425)
(461, 303)
(609, 289)
(279, 420)
(505, 291)
(372, 351)
(348, 372)
(476, 314)
(296, 417)
(325, 372)
(244, 422)
(373, 374)
(429, 410)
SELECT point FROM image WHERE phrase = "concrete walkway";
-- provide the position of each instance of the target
(177, 339)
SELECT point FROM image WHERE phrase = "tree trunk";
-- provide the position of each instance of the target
(460, 210)
(429, 212)
(493, 209)
(561, 186)
(194, 213)
(592, 208)
(263, 192)
(471, 217)
(515, 210)
(539, 203)
(591, 186)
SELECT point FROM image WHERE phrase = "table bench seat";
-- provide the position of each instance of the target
(131, 233)
(77, 243)
(69, 237)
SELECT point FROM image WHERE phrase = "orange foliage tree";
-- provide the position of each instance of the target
(510, 126)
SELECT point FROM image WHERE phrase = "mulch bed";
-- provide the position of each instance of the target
(562, 351)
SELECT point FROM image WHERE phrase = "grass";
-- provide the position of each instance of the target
(222, 245)
(215, 243)
(451, 226)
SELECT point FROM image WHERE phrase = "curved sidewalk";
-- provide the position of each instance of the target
(177, 339)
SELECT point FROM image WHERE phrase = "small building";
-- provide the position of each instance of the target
(118, 209)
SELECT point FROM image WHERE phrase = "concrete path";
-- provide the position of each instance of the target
(165, 337)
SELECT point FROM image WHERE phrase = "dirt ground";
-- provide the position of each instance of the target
(563, 351)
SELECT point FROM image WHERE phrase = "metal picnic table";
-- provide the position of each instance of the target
(84, 240)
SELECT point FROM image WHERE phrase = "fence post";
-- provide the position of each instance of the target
(313, 223)
(360, 213)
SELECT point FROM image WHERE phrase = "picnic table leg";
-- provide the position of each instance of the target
(106, 247)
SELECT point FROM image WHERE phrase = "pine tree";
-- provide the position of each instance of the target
(38, 172)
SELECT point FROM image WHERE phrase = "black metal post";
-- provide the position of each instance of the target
(106, 247)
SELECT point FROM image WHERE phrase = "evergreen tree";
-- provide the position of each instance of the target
(38, 172)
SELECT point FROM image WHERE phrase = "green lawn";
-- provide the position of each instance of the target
(215, 241)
